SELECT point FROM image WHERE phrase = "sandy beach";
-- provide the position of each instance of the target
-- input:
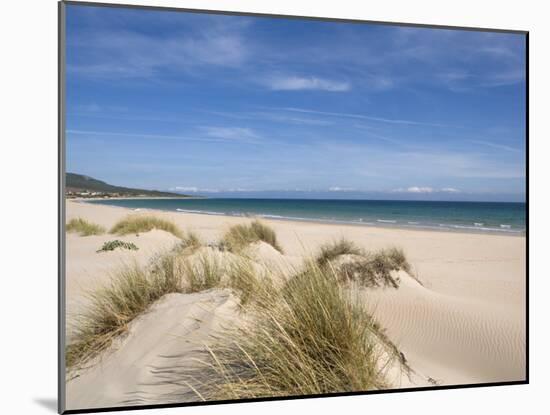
(461, 319)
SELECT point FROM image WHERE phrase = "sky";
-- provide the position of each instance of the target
(234, 105)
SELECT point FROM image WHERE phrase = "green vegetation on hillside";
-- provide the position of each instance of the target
(78, 183)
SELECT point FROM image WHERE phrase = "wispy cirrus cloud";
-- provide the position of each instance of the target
(231, 133)
(128, 54)
(372, 134)
(459, 62)
(364, 117)
(212, 134)
(273, 116)
(137, 135)
(495, 145)
(308, 83)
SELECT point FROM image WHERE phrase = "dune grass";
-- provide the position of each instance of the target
(139, 223)
(203, 273)
(191, 240)
(331, 251)
(249, 286)
(84, 228)
(312, 338)
(375, 269)
(239, 236)
(370, 269)
(308, 337)
(131, 291)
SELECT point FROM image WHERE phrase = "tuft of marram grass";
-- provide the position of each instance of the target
(191, 240)
(131, 292)
(239, 236)
(202, 273)
(331, 251)
(188, 244)
(370, 269)
(138, 223)
(375, 269)
(312, 338)
(244, 280)
(84, 228)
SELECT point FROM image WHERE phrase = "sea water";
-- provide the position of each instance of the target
(497, 217)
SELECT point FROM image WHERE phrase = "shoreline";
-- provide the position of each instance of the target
(381, 225)
(83, 199)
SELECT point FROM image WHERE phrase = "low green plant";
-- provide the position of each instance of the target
(112, 245)
(84, 228)
(137, 224)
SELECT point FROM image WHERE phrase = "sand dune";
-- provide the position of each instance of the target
(464, 322)
(175, 327)
(452, 339)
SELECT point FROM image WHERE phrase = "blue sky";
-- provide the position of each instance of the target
(221, 105)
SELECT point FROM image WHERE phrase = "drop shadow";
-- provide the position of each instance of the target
(48, 403)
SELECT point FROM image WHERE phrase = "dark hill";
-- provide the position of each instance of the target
(76, 183)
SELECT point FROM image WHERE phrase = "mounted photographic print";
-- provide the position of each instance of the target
(258, 207)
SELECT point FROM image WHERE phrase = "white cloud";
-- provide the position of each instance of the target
(184, 189)
(415, 189)
(231, 133)
(426, 189)
(340, 189)
(297, 83)
(239, 189)
(192, 189)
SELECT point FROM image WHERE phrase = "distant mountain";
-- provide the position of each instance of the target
(78, 183)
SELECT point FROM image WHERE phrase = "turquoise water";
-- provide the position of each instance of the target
(504, 218)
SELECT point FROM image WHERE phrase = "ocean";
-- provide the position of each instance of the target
(494, 217)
